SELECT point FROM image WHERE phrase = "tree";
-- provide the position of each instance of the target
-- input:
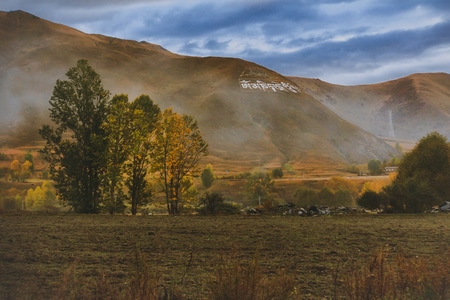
(77, 148)
(40, 197)
(118, 130)
(259, 186)
(19, 172)
(29, 158)
(304, 196)
(370, 200)
(178, 150)
(374, 167)
(277, 173)
(214, 203)
(347, 187)
(145, 119)
(423, 176)
(207, 176)
(326, 196)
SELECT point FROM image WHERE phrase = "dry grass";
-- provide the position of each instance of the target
(399, 277)
(94, 256)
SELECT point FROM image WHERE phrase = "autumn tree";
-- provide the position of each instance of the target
(207, 176)
(41, 197)
(305, 196)
(326, 196)
(76, 147)
(260, 185)
(145, 119)
(20, 172)
(178, 150)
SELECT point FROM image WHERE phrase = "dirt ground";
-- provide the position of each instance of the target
(36, 251)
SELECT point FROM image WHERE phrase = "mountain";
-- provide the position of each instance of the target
(403, 109)
(250, 115)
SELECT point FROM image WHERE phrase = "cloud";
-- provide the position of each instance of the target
(295, 37)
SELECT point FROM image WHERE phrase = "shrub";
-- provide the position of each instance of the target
(277, 173)
(370, 200)
(214, 203)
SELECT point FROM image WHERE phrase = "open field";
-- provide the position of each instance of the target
(41, 256)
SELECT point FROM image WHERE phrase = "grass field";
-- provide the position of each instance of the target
(80, 256)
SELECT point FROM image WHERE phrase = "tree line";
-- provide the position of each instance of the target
(421, 182)
(101, 150)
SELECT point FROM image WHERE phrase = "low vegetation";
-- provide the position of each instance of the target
(249, 257)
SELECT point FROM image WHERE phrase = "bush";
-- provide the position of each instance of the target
(277, 173)
(214, 203)
(370, 200)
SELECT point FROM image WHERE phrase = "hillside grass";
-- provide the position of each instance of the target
(191, 257)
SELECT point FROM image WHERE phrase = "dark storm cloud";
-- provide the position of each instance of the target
(340, 41)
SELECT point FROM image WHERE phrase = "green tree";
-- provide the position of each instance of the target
(207, 176)
(277, 173)
(260, 185)
(214, 203)
(145, 119)
(374, 167)
(118, 130)
(76, 148)
(370, 200)
(423, 176)
(179, 148)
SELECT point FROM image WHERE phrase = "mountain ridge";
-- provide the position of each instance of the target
(414, 105)
(249, 114)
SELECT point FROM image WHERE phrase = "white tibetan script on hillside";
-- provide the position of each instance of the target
(260, 85)
(255, 79)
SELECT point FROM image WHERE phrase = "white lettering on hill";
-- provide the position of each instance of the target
(259, 85)
(255, 79)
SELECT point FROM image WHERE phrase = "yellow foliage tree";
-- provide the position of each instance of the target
(19, 172)
(178, 150)
(378, 184)
(40, 197)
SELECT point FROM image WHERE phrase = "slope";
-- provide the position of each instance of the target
(406, 108)
(249, 115)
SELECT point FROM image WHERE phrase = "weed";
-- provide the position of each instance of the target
(404, 277)
(247, 282)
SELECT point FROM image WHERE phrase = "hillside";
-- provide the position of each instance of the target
(249, 115)
(404, 109)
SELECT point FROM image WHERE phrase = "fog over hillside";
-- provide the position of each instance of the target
(247, 113)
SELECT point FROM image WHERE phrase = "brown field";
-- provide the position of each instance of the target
(72, 256)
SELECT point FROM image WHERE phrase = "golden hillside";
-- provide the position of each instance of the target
(249, 115)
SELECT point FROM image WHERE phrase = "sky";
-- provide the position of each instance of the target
(344, 42)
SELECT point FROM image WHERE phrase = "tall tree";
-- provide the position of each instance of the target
(145, 117)
(118, 129)
(76, 148)
(179, 148)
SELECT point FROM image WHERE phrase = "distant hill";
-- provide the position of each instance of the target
(407, 108)
(250, 116)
